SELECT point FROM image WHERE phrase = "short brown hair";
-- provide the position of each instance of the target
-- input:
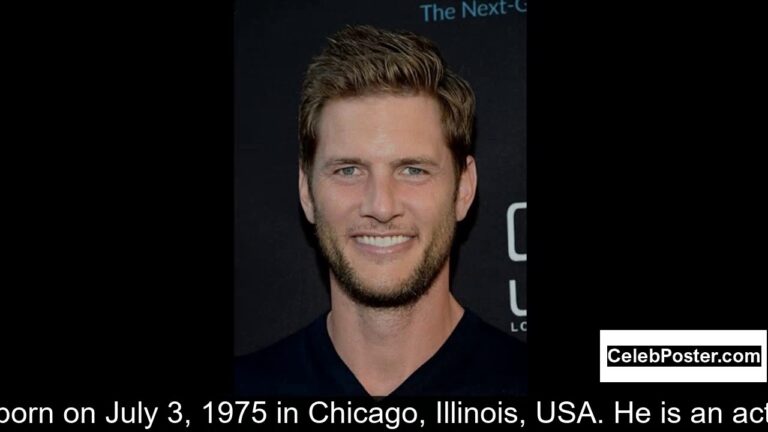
(363, 60)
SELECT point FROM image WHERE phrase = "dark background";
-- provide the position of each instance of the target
(280, 284)
(645, 175)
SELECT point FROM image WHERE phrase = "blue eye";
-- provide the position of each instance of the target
(413, 171)
(347, 171)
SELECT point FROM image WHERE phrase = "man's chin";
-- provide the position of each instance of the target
(383, 291)
(382, 299)
(380, 292)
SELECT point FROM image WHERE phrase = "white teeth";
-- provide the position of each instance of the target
(382, 241)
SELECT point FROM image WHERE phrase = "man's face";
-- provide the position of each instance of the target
(384, 196)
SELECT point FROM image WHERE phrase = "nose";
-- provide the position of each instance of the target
(380, 201)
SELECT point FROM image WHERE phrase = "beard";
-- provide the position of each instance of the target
(399, 294)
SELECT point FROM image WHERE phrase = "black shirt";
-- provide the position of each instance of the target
(477, 359)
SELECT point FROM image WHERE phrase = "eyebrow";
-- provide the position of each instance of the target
(343, 161)
(414, 161)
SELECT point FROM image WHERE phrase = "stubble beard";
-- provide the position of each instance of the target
(405, 292)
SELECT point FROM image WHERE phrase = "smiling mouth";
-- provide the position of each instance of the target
(382, 241)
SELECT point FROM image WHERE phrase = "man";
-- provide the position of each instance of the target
(386, 172)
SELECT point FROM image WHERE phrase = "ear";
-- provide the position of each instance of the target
(467, 189)
(305, 196)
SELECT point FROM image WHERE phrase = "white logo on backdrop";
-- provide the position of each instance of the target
(515, 256)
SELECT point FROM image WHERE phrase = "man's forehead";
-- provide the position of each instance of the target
(387, 125)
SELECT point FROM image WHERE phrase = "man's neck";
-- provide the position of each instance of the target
(383, 347)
